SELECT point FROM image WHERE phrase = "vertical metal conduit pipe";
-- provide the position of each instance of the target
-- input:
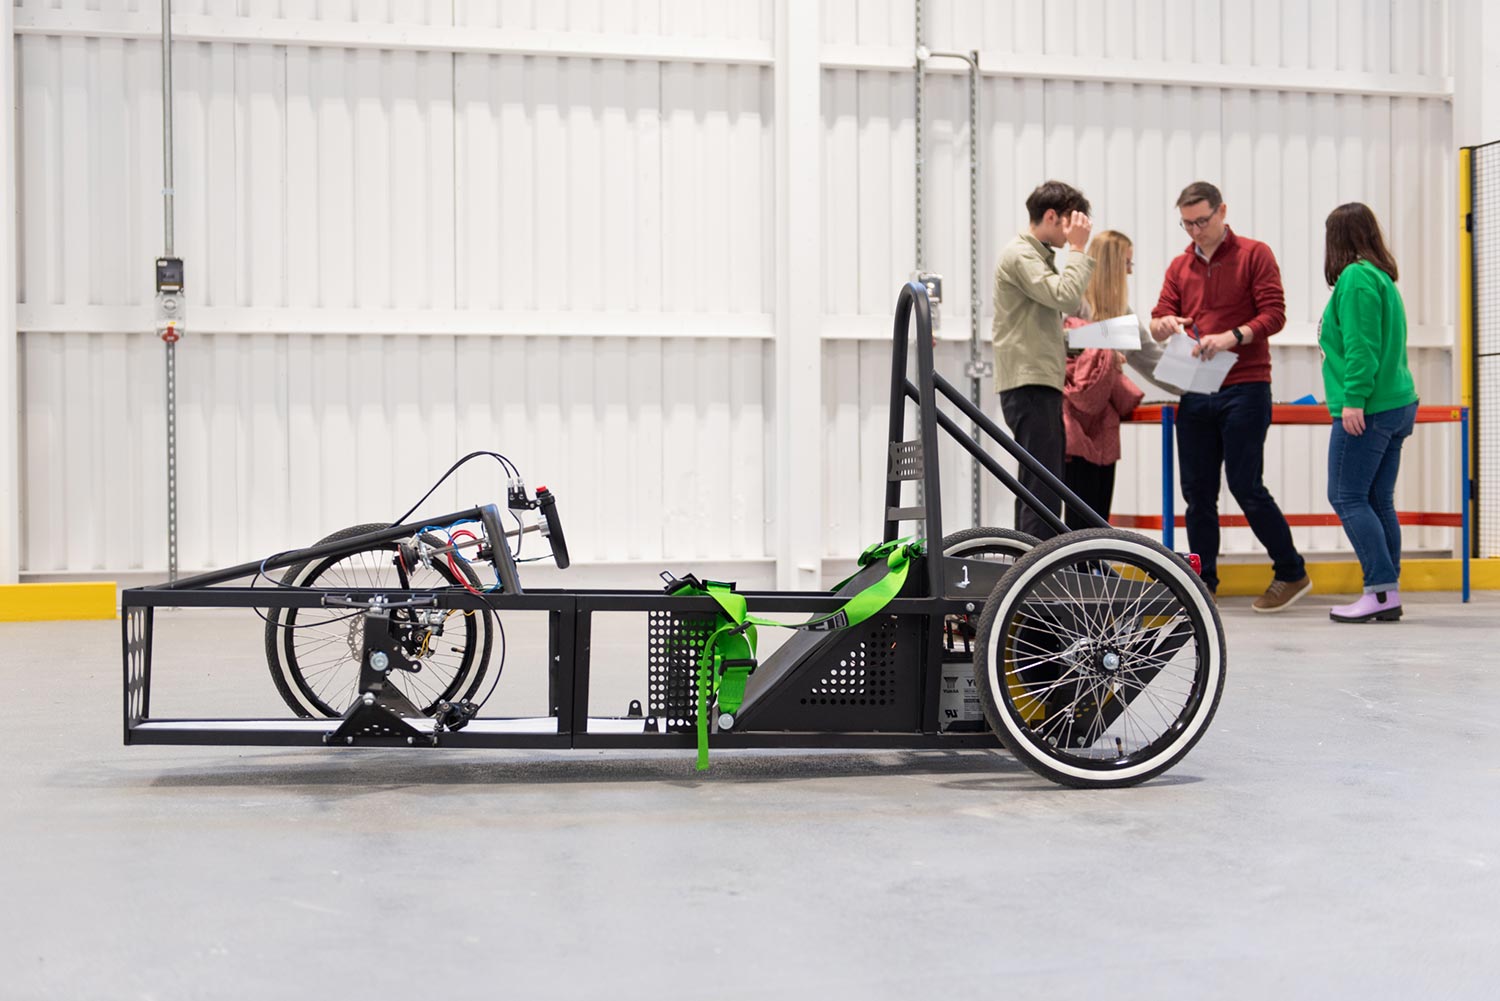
(920, 164)
(167, 193)
(976, 367)
(977, 364)
(921, 65)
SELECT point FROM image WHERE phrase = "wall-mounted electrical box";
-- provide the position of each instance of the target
(171, 309)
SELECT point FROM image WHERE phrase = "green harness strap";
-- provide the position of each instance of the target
(728, 656)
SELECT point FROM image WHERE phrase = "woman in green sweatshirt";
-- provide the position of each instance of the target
(1372, 399)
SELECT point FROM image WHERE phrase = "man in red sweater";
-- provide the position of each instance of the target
(1224, 290)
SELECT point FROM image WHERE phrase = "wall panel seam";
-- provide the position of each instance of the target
(394, 37)
(444, 38)
(1005, 65)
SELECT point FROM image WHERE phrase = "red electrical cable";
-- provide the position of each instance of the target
(462, 577)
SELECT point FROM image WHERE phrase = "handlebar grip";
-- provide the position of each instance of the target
(548, 505)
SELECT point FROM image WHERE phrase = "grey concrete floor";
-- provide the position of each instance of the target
(1336, 834)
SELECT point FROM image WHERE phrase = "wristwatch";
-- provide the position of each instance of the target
(1239, 338)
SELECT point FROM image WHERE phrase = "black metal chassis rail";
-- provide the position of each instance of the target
(569, 655)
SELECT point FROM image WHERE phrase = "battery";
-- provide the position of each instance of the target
(959, 708)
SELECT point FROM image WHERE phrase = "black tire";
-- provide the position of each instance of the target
(326, 687)
(1079, 631)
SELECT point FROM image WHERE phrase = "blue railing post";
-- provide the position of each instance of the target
(1168, 516)
(1465, 489)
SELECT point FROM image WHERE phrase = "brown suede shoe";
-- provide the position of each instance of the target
(1282, 594)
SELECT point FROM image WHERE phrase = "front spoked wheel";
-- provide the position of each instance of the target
(1100, 659)
(315, 654)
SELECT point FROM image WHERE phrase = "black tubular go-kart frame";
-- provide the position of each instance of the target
(1098, 656)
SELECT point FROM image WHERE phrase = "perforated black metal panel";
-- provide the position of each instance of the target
(381, 729)
(906, 461)
(674, 644)
(137, 626)
(864, 678)
(865, 674)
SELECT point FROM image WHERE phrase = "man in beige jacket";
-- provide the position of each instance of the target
(1031, 354)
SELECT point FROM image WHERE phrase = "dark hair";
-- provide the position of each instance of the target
(1353, 234)
(1201, 191)
(1057, 196)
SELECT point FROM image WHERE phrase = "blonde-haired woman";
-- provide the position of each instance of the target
(1108, 296)
(1097, 393)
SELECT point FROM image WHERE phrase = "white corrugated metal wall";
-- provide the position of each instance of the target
(1250, 98)
(417, 228)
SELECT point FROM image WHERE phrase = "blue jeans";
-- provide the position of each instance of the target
(1227, 430)
(1362, 489)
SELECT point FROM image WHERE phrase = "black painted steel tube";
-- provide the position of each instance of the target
(1022, 456)
(913, 299)
(295, 556)
(989, 462)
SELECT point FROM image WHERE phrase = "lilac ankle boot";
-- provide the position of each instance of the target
(1378, 606)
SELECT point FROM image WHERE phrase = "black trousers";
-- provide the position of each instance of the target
(1227, 430)
(1035, 416)
(1094, 485)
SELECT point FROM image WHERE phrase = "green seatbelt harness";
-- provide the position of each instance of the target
(728, 656)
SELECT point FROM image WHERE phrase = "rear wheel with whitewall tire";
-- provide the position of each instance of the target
(1100, 658)
(1004, 545)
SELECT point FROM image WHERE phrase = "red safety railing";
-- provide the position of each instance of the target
(1307, 414)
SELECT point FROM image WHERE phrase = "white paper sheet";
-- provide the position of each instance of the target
(1123, 333)
(1195, 375)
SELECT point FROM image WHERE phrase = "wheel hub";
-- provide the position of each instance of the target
(1091, 657)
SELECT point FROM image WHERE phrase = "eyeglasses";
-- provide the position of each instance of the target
(1192, 224)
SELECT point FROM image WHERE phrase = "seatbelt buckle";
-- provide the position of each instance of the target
(909, 546)
(675, 584)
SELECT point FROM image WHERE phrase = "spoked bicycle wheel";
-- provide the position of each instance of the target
(314, 654)
(1004, 545)
(1100, 659)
